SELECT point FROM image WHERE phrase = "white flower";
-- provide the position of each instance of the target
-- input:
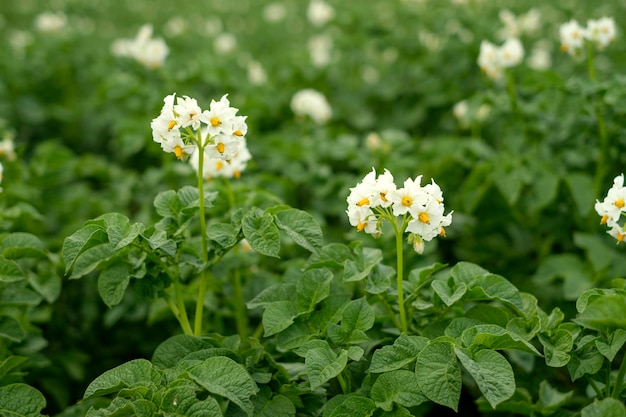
(223, 147)
(176, 146)
(218, 167)
(312, 103)
(148, 51)
(616, 231)
(7, 147)
(383, 190)
(50, 22)
(511, 53)
(166, 126)
(488, 60)
(409, 199)
(274, 12)
(320, 47)
(256, 73)
(540, 58)
(220, 118)
(601, 32)
(319, 12)
(614, 204)
(572, 37)
(225, 43)
(364, 192)
(187, 111)
(363, 218)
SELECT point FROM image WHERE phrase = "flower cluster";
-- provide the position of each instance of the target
(420, 207)
(183, 127)
(218, 167)
(148, 51)
(612, 207)
(492, 59)
(600, 32)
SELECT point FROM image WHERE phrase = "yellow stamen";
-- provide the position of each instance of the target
(192, 115)
(363, 202)
(619, 203)
(423, 217)
(604, 219)
(171, 125)
(178, 151)
(407, 201)
(220, 147)
(237, 174)
(238, 133)
(360, 227)
(383, 196)
(620, 237)
(564, 48)
(215, 121)
(219, 165)
(442, 232)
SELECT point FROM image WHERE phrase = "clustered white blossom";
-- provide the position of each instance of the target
(311, 103)
(612, 207)
(148, 51)
(319, 12)
(183, 127)
(516, 26)
(420, 207)
(600, 32)
(50, 22)
(493, 59)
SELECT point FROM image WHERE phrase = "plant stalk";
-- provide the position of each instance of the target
(197, 330)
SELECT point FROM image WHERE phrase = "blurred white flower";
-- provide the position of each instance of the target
(611, 208)
(319, 12)
(601, 32)
(150, 52)
(7, 147)
(370, 74)
(312, 103)
(175, 26)
(320, 47)
(431, 41)
(572, 37)
(213, 26)
(50, 22)
(514, 27)
(274, 12)
(511, 53)
(493, 59)
(20, 40)
(219, 167)
(256, 73)
(540, 56)
(225, 43)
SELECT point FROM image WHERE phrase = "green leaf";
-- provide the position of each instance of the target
(278, 406)
(379, 280)
(262, 234)
(367, 259)
(608, 407)
(10, 271)
(581, 188)
(585, 360)
(495, 337)
(466, 272)
(223, 376)
(138, 371)
(112, 283)
(495, 287)
(357, 317)
(570, 268)
(293, 336)
(301, 227)
(10, 363)
(48, 285)
(557, 347)
(312, 287)
(225, 234)
(550, 399)
(172, 350)
(400, 387)
(351, 405)
(21, 400)
(449, 291)
(438, 374)
(20, 245)
(277, 317)
(91, 258)
(272, 294)
(605, 313)
(323, 364)
(159, 240)
(11, 329)
(88, 236)
(616, 341)
(403, 351)
(167, 204)
(491, 371)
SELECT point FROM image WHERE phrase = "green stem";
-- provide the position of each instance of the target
(620, 378)
(390, 311)
(512, 91)
(343, 383)
(603, 154)
(197, 330)
(399, 273)
(595, 387)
